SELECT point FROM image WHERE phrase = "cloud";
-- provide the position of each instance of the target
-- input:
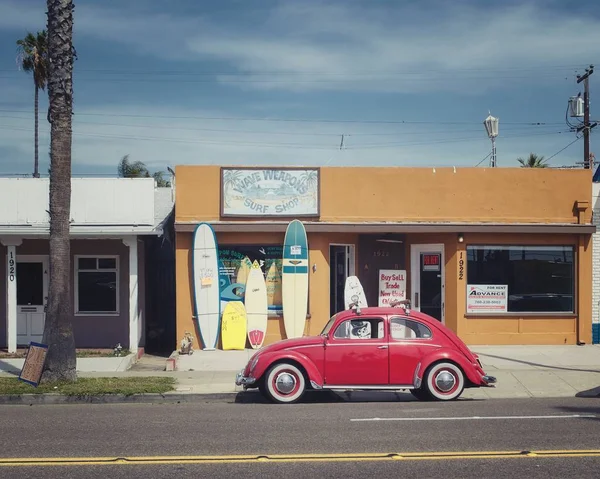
(345, 45)
(402, 48)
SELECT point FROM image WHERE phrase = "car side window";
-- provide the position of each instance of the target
(402, 328)
(363, 328)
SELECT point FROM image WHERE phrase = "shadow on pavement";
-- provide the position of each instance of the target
(589, 393)
(9, 368)
(325, 397)
(545, 366)
(595, 410)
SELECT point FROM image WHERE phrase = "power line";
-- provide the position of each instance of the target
(420, 72)
(563, 149)
(293, 120)
(486, 157)
(278, 145)
(78, 122)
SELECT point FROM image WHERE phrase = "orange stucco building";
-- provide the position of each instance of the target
(501, 256)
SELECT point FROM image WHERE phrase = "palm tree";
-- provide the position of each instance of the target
(533, 161)
(230, 181)
(58, 331)
(33, 57)
(138, 169)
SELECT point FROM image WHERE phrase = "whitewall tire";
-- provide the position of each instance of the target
(284, 383)
(444, 381)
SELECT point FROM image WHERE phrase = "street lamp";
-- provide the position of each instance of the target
(491, 127)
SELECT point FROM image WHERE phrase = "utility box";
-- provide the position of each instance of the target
(576, 107)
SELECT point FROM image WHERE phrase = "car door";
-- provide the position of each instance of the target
(409, 341)
(356, 353)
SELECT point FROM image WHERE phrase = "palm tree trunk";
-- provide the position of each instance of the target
(58, 330)
(36, 172)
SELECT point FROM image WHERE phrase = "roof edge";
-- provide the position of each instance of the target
(381, 227)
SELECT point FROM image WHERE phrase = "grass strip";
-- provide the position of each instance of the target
(92, 386)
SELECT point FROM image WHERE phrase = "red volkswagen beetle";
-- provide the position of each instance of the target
(376, 348)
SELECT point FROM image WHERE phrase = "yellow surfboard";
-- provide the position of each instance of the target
(273, 280)
(243, 272)
(233, 326)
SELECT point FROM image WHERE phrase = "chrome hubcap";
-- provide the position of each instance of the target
(285, 383)
(445, 381)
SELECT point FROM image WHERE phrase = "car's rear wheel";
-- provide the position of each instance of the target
(444, 381)
(284, 383)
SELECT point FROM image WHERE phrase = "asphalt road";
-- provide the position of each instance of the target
(490, 438)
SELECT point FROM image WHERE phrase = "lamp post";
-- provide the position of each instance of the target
(491, 127)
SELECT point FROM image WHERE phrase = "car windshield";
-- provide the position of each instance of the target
(328, 325)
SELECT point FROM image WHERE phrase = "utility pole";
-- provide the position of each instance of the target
(586, 127)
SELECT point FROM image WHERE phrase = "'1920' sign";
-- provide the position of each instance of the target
(270, 192)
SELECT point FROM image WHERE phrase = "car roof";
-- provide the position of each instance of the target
(388, 310)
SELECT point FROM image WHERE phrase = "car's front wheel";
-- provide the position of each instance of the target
(444, 381)
(284, 383)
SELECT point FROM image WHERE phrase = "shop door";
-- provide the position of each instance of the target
(341, 265)
(427, 279)
(32, 293)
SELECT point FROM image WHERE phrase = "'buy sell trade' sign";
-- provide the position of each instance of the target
(392, 286)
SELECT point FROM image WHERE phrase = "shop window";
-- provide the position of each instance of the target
(401, 328)
(364, 328)
(528, 279)
(96, 284)
(235, 262)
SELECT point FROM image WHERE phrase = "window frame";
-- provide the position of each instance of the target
(116, 270)
(526, 314)
(405, 319)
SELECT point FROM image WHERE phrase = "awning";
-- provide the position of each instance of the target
(77, 231)
(392, 227)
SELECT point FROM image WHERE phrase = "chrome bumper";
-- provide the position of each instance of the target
(489, 380)
(241, 380)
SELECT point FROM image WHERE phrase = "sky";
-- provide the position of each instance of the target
(311, 82)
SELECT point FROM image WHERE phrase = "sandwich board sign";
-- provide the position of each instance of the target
(33, 366)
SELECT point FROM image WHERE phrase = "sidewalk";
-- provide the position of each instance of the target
(522, 372)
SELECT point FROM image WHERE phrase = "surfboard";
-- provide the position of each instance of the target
(256, 306)
(233, 326)
(242, 273)
(354, 288)
(294, 279)
(273, 281)
(205, 287)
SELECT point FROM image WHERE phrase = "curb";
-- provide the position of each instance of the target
(175, 398)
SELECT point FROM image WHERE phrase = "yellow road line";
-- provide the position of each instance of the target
(229, 459)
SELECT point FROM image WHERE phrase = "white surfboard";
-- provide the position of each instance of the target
(256, 303)
(205, 287)
(294, 279)
(354, 288)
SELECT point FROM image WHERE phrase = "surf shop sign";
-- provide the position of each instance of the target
(270, 192)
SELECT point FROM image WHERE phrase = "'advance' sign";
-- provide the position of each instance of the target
(270, 192)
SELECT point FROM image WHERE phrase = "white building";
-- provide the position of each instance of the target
(110, 219)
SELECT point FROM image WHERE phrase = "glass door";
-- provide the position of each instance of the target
(341, 265)
(427, 279)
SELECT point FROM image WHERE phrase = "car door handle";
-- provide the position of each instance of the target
(382, 347)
